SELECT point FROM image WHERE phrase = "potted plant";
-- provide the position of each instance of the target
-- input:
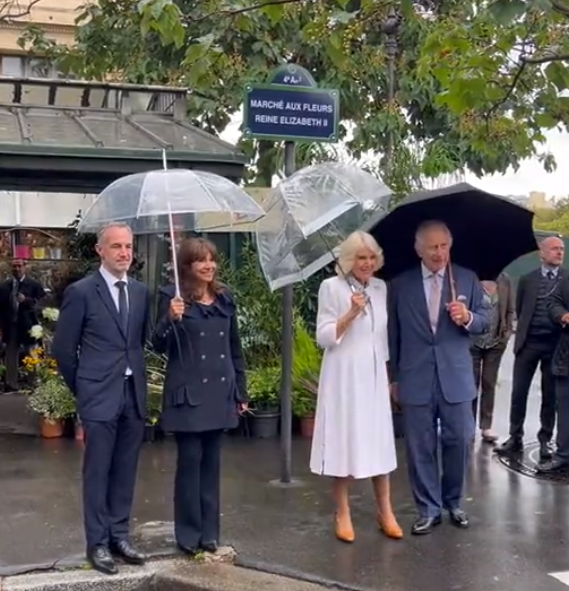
(306, 361)
(263, 384)
(155, 373)
(53, 402)
(152, 431)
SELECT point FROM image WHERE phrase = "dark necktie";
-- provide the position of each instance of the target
(550, 275)
(123, 305)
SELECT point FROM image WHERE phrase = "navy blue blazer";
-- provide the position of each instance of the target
(417, 355)
(205, 373)
(93, 352)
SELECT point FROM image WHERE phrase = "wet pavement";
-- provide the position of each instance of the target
(518, 537)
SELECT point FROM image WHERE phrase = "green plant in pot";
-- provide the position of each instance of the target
(54, 403)
(306, 362)
(155, 374)
(263, 386)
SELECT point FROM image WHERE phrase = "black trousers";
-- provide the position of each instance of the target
(196, 489)
(562, 392)
(534, 353)
(110, 463)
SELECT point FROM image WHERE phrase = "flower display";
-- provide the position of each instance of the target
(50, 314)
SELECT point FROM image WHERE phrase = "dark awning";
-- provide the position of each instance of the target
(76, 136)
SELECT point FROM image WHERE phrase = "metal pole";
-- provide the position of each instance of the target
(390, 29)
(286, 354)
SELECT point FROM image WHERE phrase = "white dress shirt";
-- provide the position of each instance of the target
(111, 282)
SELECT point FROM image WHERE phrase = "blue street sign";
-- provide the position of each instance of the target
(291, 112)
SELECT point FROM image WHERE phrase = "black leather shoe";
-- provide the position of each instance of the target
(512, 445)
(209, 546)
(545, 451)
(425, 525)
(125, 550)
(458, 518)
(100, 559)
(188, 550)
(553, 467)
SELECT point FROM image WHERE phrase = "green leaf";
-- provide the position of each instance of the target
(545, 120)
(274, 12)
(506, 11)
(558, 75)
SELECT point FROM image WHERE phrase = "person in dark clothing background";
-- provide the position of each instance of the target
(535, 342)
(559, 312)
(488, 349)
(19, 296)
(204, 388)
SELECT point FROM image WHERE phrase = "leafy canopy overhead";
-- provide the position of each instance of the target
(477, 82)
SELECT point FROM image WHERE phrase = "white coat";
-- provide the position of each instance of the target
(353, 433)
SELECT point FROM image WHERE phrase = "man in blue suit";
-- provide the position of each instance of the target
(99, 348)
(431, 371)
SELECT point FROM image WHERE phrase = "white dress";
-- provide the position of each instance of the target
(353, 432)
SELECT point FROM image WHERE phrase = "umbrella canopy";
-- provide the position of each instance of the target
(489, 232)
(197, 201)
(310, 214)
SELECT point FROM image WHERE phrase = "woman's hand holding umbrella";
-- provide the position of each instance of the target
(177, 307)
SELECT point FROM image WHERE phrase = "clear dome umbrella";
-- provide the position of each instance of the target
(171, 200)
(308, 216)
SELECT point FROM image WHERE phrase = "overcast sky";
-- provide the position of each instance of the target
(530, 176)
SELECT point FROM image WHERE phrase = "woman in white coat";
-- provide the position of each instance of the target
(353, 434)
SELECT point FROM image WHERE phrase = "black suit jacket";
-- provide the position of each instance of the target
(526, 299)
(93, 352)
(205, 374)
(26, 316)
(558, 307)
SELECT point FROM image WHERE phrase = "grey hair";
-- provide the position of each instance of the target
(103, 229)
(356, 241)
(424, 227)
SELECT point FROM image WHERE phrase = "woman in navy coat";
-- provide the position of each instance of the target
(204, 388)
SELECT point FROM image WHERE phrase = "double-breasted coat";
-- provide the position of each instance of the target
(205, 372)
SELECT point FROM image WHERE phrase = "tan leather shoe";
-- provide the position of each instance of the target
(344, 529)
(390, 527)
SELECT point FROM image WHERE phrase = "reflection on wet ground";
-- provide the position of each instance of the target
(519, 532)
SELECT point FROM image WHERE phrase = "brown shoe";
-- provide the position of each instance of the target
(390, 527)
(344, 529)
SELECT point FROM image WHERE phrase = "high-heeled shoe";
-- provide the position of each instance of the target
(390, 528)
(344, 529)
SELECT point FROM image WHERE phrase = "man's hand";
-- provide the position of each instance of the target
(565, 319)
(21, 297)
(458, 313)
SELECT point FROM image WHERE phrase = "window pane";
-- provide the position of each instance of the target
(38, 68)
(11, 66)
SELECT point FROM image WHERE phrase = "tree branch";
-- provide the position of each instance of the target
(545, 59)
(560, 8)
(509, 92)
(12, 10)
(235, 12)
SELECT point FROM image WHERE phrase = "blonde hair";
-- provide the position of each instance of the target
(351, 246)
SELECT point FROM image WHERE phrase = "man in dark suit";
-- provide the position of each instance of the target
(535, 341)
(19, 297)
(558, 306)
(99, 348)
(431, 367)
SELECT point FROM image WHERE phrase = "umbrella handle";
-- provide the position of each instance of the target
(174, 253)
(452, 282)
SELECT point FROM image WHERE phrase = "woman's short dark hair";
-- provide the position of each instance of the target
(190, 251)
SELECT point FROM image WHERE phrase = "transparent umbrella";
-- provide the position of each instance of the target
(170, 200)
(308, 216)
